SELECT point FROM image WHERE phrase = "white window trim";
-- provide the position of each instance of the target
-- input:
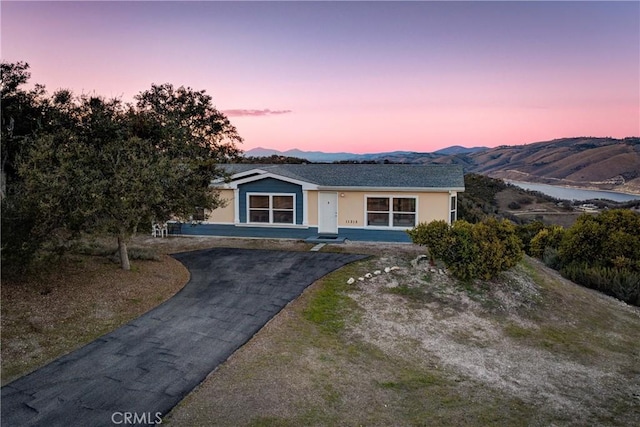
(391, 212)
(270, 223)
(236, 206)
(453, 210)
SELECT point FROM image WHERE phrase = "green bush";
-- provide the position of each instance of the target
(95, 248)
(603, 240)
(434, 235)
(617, 282)
(551, 259)
(499, 246)
(549, 237)
(462, 255)
(527, 232)
(525, 200)
(472, 251)
(601, 252)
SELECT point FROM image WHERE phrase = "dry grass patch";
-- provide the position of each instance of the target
(171, 245)
(81, 299)
(414, 347)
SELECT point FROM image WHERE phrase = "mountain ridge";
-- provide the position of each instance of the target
(601, 163)
(321, 156)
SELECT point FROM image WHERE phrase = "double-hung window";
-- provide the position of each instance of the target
(271, 208)
(391, 211)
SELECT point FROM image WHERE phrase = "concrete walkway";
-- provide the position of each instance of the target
(137, 373)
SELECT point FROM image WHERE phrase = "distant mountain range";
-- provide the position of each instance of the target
(320, 156)
(587, 162)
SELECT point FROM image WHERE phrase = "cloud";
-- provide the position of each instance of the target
(254, 113)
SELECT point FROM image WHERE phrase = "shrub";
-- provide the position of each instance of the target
(135, 253)
(549, 237)
(527, 232)
(433, 235)
(603, 240)
(499, 247)
(514, 205)
(462, 254)
(472, 251)
(617, 282)
(551, 259)
(95, 248)
(525, 200)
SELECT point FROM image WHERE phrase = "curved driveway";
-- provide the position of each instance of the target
(141, 370)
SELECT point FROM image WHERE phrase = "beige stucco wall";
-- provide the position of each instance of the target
(434, 206)
(223, 214)
(351, 206)
(312, 200)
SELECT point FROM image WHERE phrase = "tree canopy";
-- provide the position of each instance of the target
(609, 239)
(85, 163)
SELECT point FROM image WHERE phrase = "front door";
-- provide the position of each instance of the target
(327, 213)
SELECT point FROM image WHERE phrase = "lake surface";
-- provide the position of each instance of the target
(565, 193)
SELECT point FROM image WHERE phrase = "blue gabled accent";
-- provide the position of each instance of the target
(270, 185)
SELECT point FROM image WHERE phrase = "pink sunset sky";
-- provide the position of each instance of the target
(361, 77)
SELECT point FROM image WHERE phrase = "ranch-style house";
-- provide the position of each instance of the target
(332, 202)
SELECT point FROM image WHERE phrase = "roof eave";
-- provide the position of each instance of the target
(396, 189)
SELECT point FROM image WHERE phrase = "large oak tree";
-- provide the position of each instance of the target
(102, 165)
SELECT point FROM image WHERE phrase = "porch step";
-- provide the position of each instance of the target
(317, 247)
(326, 239)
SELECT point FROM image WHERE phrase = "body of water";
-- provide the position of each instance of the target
(565, 193)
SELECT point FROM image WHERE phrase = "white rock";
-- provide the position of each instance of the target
(351, 281)
(361, 279)
(394, 268)
(387, 269)
(415, 262)
(377, 272)
(368, 275)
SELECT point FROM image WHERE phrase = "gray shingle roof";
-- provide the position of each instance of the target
(364, 175)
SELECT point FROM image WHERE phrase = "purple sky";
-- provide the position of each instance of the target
(355, 76)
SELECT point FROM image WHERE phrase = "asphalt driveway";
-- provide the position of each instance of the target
(137, 373)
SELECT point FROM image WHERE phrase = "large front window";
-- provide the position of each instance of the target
(271, 208)
(391, 212)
